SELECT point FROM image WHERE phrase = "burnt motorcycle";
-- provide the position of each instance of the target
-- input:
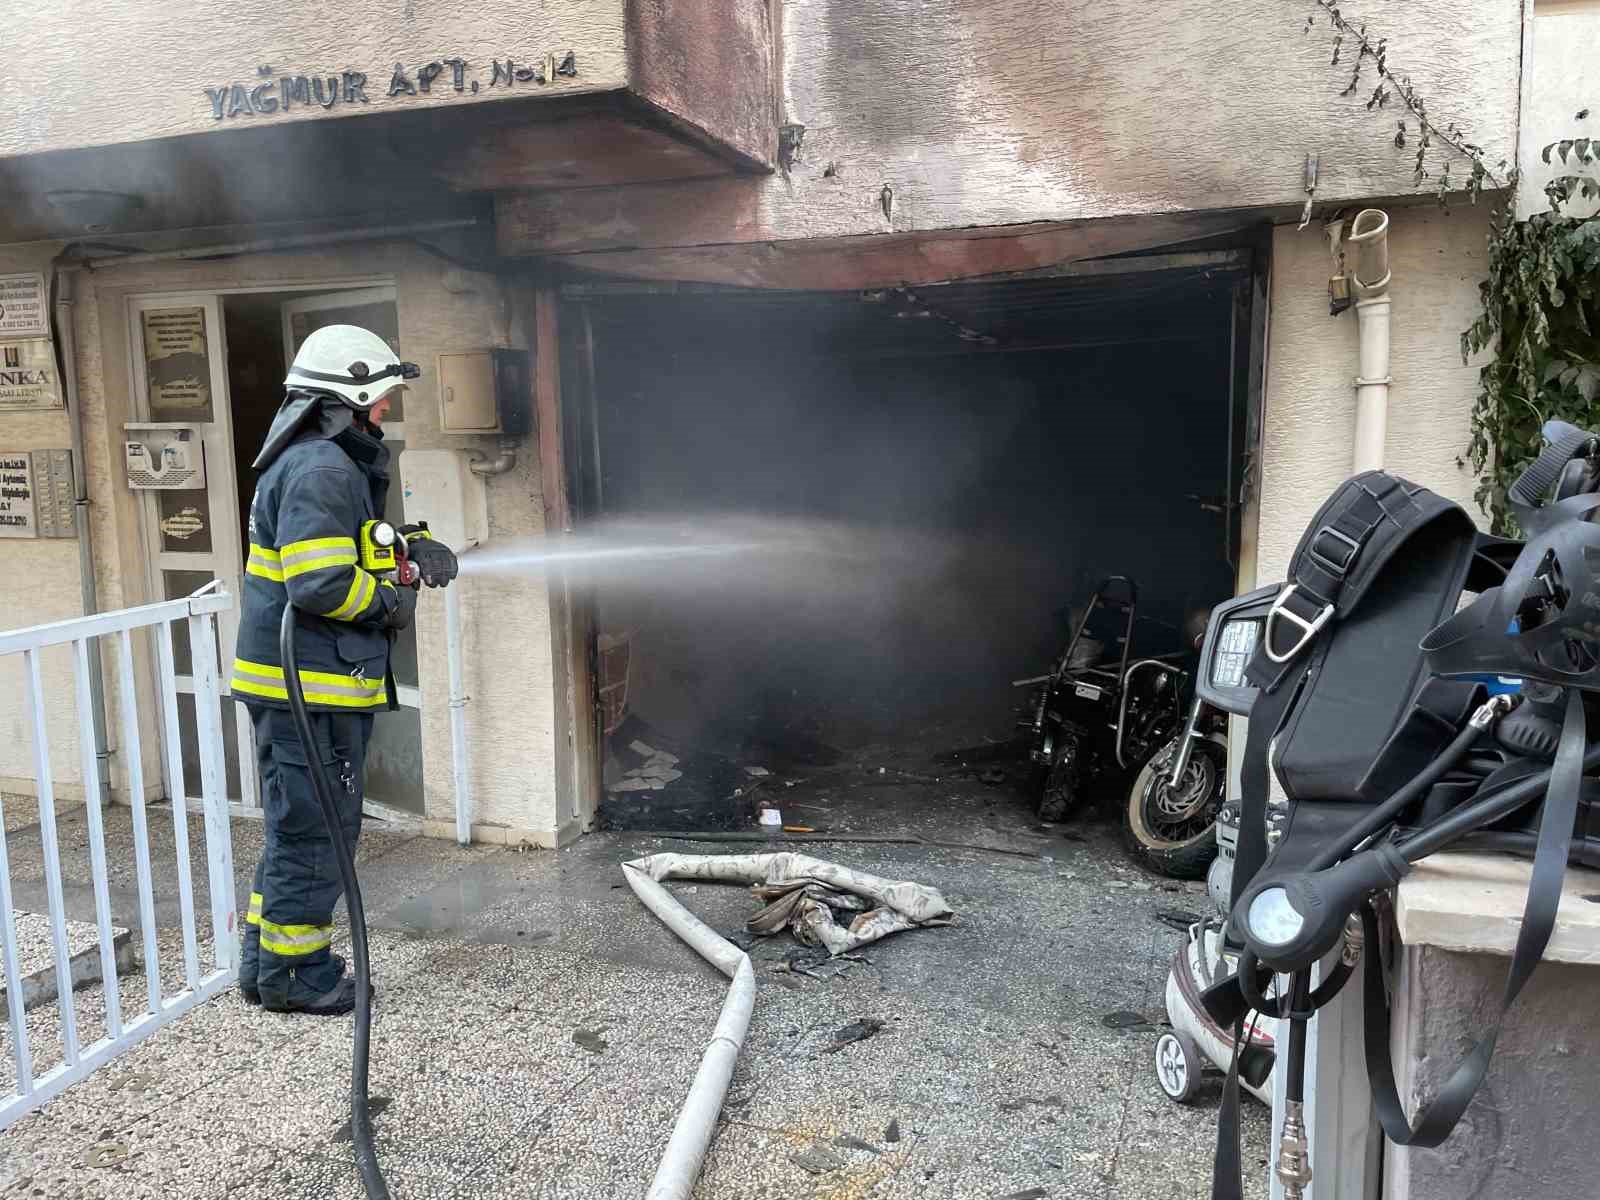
(1170, 817)
(1100, 712)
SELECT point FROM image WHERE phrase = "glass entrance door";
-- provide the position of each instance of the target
(180, 377)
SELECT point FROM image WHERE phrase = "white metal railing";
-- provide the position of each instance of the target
(84, 635)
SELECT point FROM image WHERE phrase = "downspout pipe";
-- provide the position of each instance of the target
(66, 346)
(1369, 236)
(458, 714)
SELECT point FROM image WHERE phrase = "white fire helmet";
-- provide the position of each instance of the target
(354, 364)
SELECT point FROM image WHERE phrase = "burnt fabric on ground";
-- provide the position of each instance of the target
(803, 892)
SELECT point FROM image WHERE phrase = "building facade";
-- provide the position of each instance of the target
(192, 189)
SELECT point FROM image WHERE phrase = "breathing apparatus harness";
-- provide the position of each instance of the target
(1371, 701)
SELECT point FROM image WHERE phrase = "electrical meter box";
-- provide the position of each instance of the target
(485, 391)
(164, 456)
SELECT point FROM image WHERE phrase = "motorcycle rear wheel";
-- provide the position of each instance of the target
(1177, 834)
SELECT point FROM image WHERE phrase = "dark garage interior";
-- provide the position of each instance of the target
(946, 472)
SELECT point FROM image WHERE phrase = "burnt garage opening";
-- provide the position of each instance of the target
(954, 468)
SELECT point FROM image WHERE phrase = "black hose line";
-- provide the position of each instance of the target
(1294, 1083)
(360, 1115)
(1397, 803)
(1486, 810)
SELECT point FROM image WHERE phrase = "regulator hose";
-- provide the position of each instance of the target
(360, 1114)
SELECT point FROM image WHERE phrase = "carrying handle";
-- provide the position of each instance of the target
(1563, 443)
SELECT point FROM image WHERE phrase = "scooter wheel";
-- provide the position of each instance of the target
(1178, 1066)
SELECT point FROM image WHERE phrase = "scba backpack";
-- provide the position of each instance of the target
(1399, 723)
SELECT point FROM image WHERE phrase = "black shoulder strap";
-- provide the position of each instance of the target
(1366, 521)
(1250, 852)
(1355, 533)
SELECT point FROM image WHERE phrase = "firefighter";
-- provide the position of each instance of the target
(324, 475)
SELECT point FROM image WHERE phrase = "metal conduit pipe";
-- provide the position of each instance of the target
(507, 458)
(66, 347)
(1369, 234)
(691, 1135)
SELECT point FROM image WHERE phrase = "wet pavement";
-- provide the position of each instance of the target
(536, 1028)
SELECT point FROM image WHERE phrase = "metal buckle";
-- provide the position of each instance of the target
(1322, 560)
(1491, 710)
(1308, 629)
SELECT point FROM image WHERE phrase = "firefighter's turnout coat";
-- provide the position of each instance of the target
(306, 522)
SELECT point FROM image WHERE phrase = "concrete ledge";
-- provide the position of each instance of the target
(1472, 903)
(36, 955)
(496, 835)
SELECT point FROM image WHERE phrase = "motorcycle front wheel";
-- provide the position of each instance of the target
(1060, 793)
(1173, 830)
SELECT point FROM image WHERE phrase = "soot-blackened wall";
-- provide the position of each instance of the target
(1016, 479)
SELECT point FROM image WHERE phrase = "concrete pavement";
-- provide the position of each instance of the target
(536, 1030)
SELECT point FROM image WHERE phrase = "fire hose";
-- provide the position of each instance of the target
(360, 1114)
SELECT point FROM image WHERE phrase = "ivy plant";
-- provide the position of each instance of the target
(1541, 317)
(1540, 303)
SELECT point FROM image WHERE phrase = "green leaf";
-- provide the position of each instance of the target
(1589, 383)
(1564, 149)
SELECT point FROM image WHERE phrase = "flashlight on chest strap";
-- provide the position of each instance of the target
(383, 549)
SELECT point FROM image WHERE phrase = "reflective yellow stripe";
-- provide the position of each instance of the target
(303, 566)
(291, 941)
(321, 687)
(253, 915)
(265, 563)
(327, 543)
(362, 589)
(314, 554)
(330, 699)
(270, 673)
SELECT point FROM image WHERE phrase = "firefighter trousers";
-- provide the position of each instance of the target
(289, 924)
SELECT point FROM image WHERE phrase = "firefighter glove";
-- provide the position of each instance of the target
(404, 608)
(435, 562)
